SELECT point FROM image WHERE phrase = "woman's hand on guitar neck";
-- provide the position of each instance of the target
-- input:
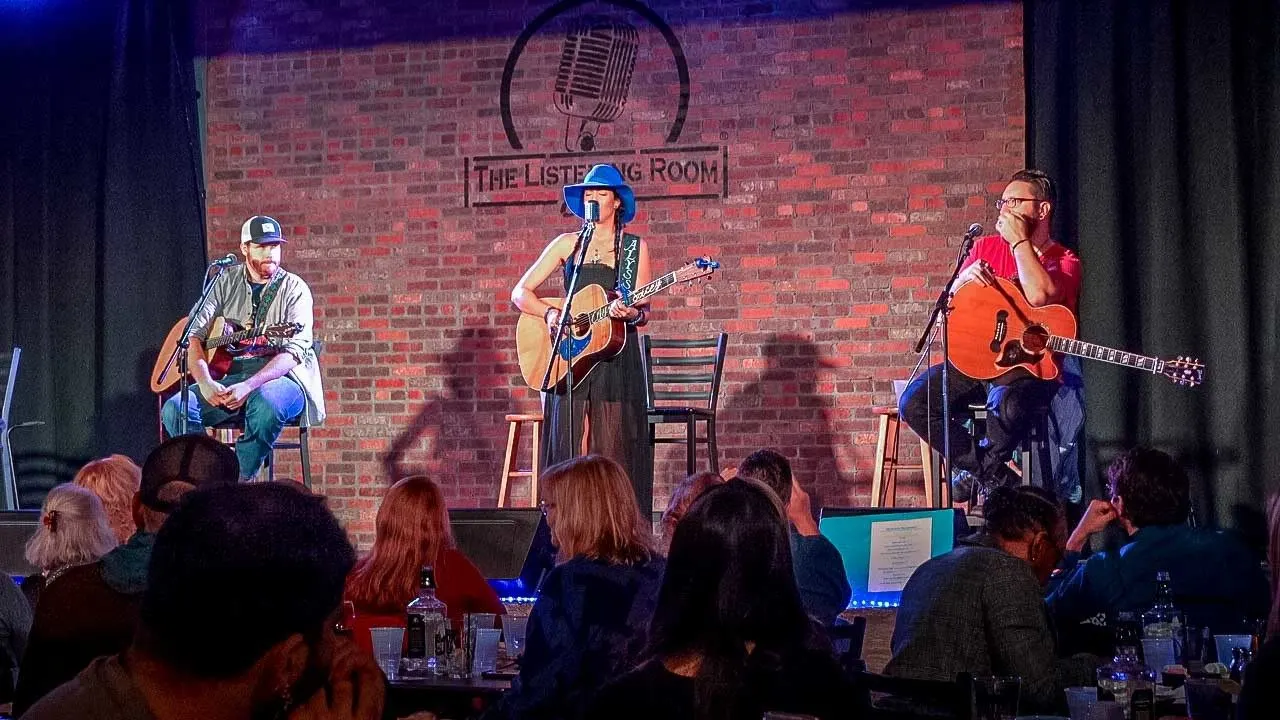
(618, 310)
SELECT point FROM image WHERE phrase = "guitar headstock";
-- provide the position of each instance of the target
(282, 330)
(1185, 371)
(701, 267)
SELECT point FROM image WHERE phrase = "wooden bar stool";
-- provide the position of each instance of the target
(884, 480)
(515, 425)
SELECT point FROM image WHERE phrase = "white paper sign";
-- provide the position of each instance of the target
(898, 547)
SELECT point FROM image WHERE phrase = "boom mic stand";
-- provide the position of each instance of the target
(938, 323)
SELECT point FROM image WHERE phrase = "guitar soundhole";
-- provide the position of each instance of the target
(1035, 339)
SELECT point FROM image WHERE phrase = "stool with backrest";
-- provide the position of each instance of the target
(8, 381)
(510, 465)
(1034, 463)
(682, 385)
(885, 467)
(227, 429)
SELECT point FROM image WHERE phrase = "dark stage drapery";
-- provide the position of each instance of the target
(101, 217)
(1161, 122)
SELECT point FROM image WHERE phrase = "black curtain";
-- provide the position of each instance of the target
(101, 217)
(1160, 121)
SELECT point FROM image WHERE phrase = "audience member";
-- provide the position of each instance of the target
(73, 532)
(819, 569)
(588, 625)
(413, 531)
(93, 610)
(114, 479)
(730, 638)
(15, 624)
(979, 609)
(1260, 693)
(1217, 581)
(688, 490)
(237, 620)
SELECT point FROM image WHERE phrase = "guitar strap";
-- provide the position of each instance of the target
(628, 264)
(265, 299)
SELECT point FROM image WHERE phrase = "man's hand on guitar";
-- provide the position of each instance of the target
(618, 310)
(233, 397)
(979, 272)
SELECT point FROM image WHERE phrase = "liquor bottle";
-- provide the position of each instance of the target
(426, 618)
(1164, 622)
(1127, 681)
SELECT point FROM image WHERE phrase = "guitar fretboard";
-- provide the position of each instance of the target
(233, 338)
(637, 296)
(1105, 354)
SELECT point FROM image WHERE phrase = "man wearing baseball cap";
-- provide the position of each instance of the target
(272, 380)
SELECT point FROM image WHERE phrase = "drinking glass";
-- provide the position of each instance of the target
(997, 697)
(513, 627)
(387, 644)
(486, 652)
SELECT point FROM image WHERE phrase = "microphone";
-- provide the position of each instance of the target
(591, 213)
(974, 231)
(228, 260)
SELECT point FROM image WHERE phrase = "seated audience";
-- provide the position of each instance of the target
(588, 625)
(114, 479)
(819, 569)
(73, 533)
(1217, 581)
(412, 531)
(237, 620)
(730, 638)
(1260, 693)
(689, 489)
(15, 624)
(93, 610)
(979, 609)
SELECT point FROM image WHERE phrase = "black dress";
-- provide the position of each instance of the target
(612, 396)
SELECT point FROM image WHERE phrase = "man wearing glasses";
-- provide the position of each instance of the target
(1047, 273)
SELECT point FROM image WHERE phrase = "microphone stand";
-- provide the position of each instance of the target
(184, 345)
(566, 319)
(938, 322)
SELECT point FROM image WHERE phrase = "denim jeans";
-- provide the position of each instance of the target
(265, 412)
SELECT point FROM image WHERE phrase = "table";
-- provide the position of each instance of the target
(447, 697)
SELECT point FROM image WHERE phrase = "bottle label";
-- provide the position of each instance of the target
(416, 632)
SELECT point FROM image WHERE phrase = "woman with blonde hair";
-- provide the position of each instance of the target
(588, 625)
(73, 532)
(115, 480)
(412, 531)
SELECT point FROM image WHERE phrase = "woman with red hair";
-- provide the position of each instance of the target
(412, 531)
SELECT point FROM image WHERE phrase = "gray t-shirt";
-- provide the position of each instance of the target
(103, 691)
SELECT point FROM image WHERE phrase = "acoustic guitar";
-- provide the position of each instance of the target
(593, 336)
(226, 341)
(993, 329)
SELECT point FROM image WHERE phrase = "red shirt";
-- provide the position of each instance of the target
(1062, 265)
(461, 588)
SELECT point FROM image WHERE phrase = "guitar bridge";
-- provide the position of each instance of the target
(1000, 330)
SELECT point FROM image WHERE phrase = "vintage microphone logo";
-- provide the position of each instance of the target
(595, 74)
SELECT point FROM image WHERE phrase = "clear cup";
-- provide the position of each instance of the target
(997, 697)
(1080, 701)
(1227, 643)
(513, 628)
(486, 652)
(1159, 652)
(387, 645)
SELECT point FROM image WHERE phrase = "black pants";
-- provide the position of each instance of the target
(1014, 402)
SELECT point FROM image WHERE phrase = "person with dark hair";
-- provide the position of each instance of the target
(819, 569)
(92, 609)
(609, 403)
(1025, 252)
(15, 627)
(729, 638)
(1217, 581)
(237, 620)
(682, 498)
(1260, 689)
(588, 625)
(979, 609)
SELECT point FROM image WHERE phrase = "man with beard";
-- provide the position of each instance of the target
(1047, 273)
(274, 379)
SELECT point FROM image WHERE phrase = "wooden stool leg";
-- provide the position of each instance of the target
(930, 479)
(891, 482)
(926, 471)
(537, 460)
(877, 473)
(513, 436)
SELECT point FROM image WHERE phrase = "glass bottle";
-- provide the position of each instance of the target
(1164, 622)
(426, 620)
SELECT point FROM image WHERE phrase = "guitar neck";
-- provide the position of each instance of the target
(232, 338)
(1083, 349)
(637, 296)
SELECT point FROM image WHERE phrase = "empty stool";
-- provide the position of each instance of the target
(884, 480)
(515, 425)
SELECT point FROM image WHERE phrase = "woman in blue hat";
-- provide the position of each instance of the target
(609, 404)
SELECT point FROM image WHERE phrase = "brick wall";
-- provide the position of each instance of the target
(859, 145)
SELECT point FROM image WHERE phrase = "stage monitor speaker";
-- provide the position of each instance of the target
(511, 546)
(16, 527)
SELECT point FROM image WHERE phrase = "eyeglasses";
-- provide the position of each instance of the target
(1013, 201)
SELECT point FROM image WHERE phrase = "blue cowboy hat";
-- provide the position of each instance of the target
(601, 176)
